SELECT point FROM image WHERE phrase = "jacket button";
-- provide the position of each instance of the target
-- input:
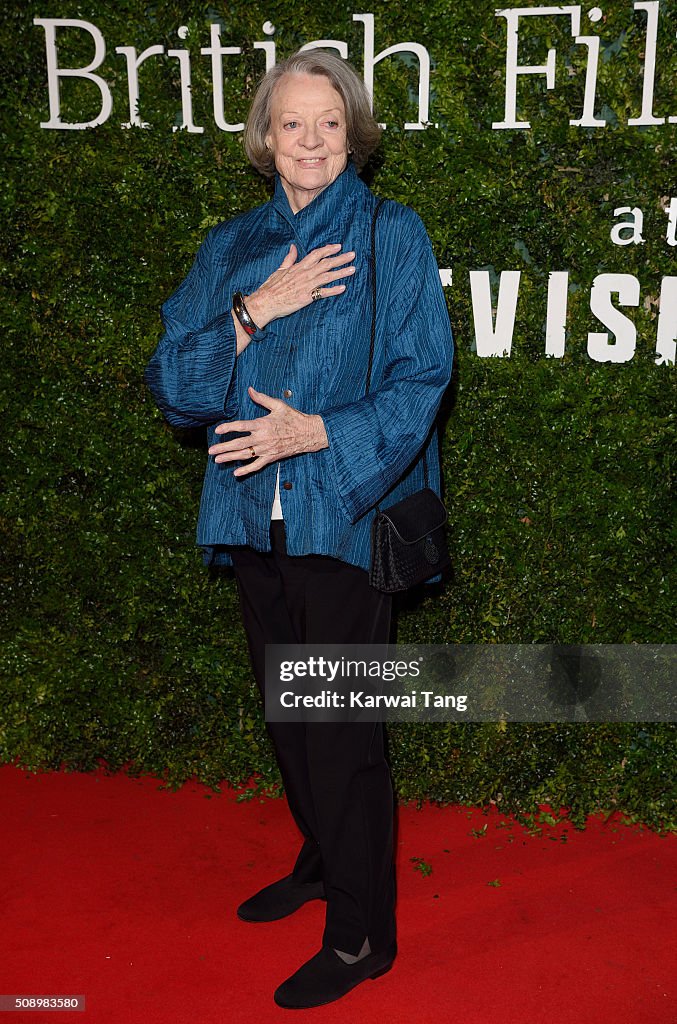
(287, 485)
(287, 393)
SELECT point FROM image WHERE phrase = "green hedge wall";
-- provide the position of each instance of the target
(117, 645)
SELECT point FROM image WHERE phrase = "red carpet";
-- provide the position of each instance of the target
(117, 890)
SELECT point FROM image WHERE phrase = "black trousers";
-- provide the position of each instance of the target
(335, 775)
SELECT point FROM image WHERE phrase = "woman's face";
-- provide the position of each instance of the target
(308, 136)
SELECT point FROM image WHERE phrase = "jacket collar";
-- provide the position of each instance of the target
(315, 222)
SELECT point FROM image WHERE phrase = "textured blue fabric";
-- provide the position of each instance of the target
(320, 353)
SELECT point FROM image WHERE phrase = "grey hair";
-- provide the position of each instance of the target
(362, 130)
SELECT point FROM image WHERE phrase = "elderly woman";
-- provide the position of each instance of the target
(268, 339)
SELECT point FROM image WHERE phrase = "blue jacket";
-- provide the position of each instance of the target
(320, 353)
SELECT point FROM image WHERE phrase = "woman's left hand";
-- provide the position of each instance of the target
(283, 432)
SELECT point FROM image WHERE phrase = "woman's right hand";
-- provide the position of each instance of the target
(291, 286)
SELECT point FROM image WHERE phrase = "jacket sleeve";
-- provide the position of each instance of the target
(374, 440)
(192, 371)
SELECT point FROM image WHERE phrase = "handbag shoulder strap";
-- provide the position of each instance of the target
(372, 340)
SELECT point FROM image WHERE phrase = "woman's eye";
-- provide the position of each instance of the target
(291, 124)
(332, 124)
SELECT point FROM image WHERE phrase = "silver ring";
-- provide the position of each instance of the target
(315, 294)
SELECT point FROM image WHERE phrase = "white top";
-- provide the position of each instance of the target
(276, 512)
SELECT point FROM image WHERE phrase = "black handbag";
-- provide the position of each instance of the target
(408, 540)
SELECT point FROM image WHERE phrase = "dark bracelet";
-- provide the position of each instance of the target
(242, 314)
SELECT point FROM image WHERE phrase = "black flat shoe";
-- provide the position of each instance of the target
(326, 977)
(279, 899)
